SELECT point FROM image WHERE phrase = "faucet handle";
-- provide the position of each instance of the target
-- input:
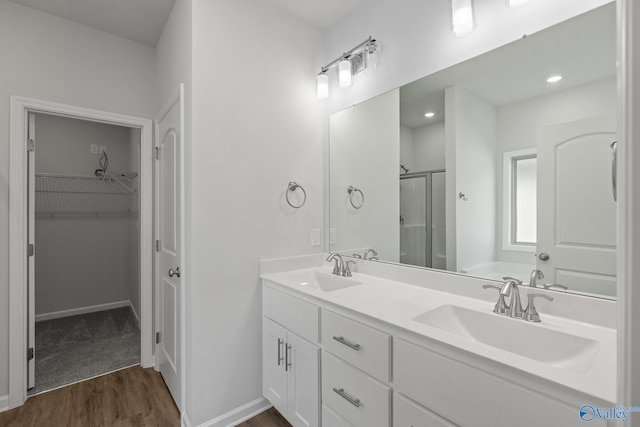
(347, 271)
(555, 285)
(531, 314)
(358, 256)
(501, 306)
(507, 278)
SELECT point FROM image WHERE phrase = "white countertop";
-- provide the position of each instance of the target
(398, 303)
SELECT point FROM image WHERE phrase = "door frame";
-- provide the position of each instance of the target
(18, 225)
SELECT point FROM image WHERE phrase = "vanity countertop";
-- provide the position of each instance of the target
(397, 304)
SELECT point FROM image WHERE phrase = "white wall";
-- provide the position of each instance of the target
(416, 40)
(372, 130)
(82, 260)
(53, 59)
(518, 125)
(429, 144)
(471, 145)
(256, 126)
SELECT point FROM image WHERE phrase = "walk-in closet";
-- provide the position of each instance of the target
(87, 246)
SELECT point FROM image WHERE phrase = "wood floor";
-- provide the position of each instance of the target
(132, 397)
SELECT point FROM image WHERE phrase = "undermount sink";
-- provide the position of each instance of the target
(320, 280)
(571, 352)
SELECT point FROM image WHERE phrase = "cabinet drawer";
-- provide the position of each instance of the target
(297, 315)
(470, 397)
(355, 396)
(358, 344)
(331, 419)
(409, 414)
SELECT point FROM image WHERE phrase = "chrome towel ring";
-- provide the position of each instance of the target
(351, 189)
(292, 187)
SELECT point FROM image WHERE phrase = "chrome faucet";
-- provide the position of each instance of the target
(535, 276)
(367, 252)
(510, 287)
(338, 268)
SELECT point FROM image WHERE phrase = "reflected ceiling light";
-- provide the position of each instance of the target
(554, 79)
(344, 73)
(323, 85)
(430, 114)
(364, 56)
(462, 19)
(516, 3)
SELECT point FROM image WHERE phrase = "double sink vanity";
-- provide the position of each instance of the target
(368, 350)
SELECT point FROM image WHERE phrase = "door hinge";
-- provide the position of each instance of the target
(31, 145)
(157, 153)
(157, 245)
(29, 353)
(157, 337)
(31, 249)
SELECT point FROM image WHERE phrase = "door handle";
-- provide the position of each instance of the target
(175, 272)
(544, 256)
(614, 169)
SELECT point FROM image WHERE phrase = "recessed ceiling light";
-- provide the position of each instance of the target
(430, 114)
(554, 79)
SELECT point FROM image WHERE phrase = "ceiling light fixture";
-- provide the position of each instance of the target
(462, 18)
(366, 55)
(554, 79)
(429, 114)
(516, 3)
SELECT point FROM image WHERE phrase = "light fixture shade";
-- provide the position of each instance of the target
(372, 57)
(462, 17)
(516, 3)
(344, 73)
(323, 86)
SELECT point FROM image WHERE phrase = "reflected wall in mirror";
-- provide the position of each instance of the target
(490, 168)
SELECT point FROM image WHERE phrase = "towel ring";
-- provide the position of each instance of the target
(293, 186)
(351, 189)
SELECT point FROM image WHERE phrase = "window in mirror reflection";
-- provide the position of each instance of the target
(524, 208)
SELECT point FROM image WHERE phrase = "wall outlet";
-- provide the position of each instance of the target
(103, 149)
(315, 237)
(333, 236)
(93, 149)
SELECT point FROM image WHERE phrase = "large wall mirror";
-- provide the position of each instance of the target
(495, 167)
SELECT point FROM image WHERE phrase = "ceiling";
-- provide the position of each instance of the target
(321, 14)
(582, 49)
(138, 20)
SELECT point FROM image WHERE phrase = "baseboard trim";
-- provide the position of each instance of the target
(238, 415)
(4, 403)
(83, 310)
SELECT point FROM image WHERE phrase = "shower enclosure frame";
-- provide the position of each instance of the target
(428, 176)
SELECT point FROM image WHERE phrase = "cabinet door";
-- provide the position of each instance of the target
(274, 381)
(304, 381)
(409, 414)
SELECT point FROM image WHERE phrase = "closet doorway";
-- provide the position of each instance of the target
(85, 219)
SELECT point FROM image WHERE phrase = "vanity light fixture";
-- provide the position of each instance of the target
(516, 3)
(430, 114)
(462, 17)
(366, 55)
(554, 79)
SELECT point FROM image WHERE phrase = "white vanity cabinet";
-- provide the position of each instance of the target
(291, 363)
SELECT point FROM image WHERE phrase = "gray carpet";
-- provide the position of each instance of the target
(74, 348)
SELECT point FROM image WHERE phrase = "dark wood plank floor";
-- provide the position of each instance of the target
(132, 397)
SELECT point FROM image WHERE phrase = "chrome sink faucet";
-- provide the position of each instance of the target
(367, 252)
(338, 268)
(535, 276)
(510, 287)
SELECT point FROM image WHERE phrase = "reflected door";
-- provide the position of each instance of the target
(576, 241)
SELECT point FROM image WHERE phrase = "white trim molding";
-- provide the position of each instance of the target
(84, 310)
(4, 403)
(18, 268)
(238, 415)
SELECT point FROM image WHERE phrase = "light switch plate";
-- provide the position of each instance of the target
(315, 237)
(93, 149)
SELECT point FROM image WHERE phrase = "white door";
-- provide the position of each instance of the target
(274, 344)
(576, 212)
(304, 383)
(169, 254)
(31, 261)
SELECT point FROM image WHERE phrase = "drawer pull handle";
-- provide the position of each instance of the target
(280, 358)
(287, 361)
(355, 402)
(341, 340)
